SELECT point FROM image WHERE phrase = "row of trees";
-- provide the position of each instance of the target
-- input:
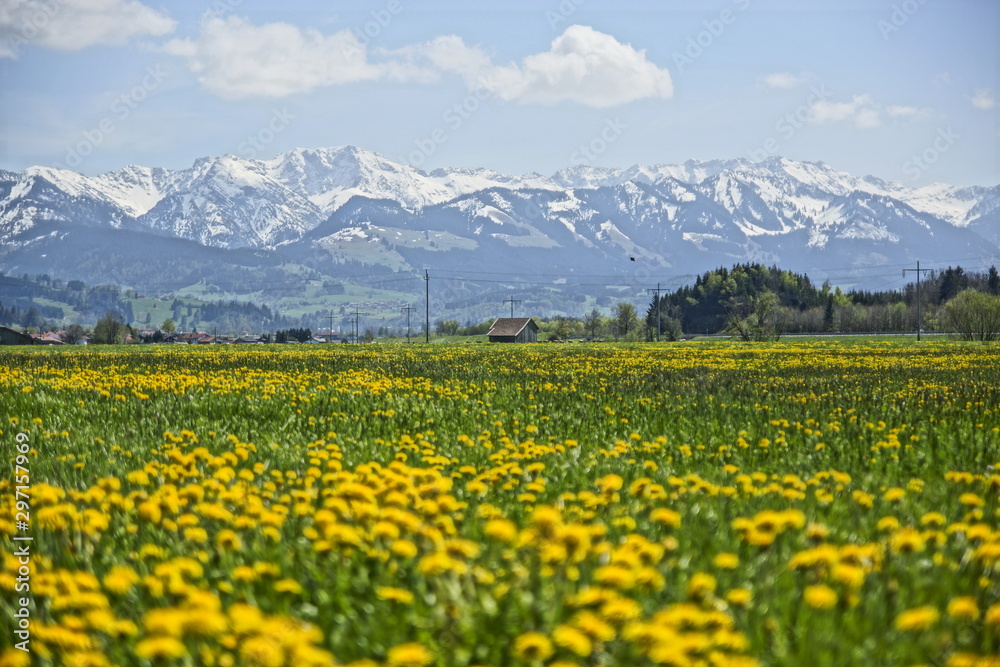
(756, 302)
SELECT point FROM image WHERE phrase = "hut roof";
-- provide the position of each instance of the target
(508, 326)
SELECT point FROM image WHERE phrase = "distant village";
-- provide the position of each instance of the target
(503, 330)
(9, 336)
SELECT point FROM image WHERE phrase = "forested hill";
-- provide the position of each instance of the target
(42, 302)
(705, 306)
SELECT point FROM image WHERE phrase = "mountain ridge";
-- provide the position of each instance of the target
(346, 204)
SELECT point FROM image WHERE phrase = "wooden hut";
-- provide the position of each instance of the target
(11, 337)
(513, 330)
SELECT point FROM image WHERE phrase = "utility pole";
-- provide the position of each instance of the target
(427, 307)
(330, 336)
(357, 325)
(408, 310)
(512, 301)
(917, 270)
(657, 302)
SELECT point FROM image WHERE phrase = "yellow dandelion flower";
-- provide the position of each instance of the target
(262, 651)
(409, 655)
(666, 517)
(403, 548)
(533, 646)
(964, 608)
(394, 594)
(288, 586)
(228, 540)
(245, 619)
(593, 626)
(13, 657)
(820, 597)
(573, 640)
(120, 579)
(992, 617)
(849, 575)
(610, 483)
(615, 575)
(917, 619)
(739, 597)
(168, 621)
(160, 647)
(907, 541)
(620, 610)
(726, 561)
(700, 585)
(894, 495)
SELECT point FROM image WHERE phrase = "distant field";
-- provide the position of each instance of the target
(809, 502)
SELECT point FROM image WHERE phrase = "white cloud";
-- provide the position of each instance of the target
(861, 110)
(446, 54)
(909, 112)
(942, 79)
(782, 80)
(235, 59)
(983, 99)
(897, 111)
(583, 66)
(72, 25)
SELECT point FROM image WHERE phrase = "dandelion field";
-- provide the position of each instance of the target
(822, 503)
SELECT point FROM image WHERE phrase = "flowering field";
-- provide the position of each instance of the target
(696, 504)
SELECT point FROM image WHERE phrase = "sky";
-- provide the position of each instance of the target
(901, 89)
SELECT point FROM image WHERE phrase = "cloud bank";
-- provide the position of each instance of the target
(235, 59)
(73, 25)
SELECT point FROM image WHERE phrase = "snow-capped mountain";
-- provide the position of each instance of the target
(344, 205)
(330, 177)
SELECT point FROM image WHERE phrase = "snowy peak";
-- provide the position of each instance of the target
(669, 214)
(231, 202)
(330, 177)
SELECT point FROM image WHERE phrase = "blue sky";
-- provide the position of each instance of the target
(901, 89)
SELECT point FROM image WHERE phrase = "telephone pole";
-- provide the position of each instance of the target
(408, 310)
(357, 324)
(512, 301)
(330, 336)
(350, 320)
(917, 270)
(427, 307)
(657, 302)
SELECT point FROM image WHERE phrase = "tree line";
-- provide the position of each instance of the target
(756, 302)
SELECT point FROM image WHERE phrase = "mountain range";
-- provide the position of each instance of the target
(338, 212)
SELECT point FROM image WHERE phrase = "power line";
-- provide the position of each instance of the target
(917, 271)
(408, 310)
(512, 301)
